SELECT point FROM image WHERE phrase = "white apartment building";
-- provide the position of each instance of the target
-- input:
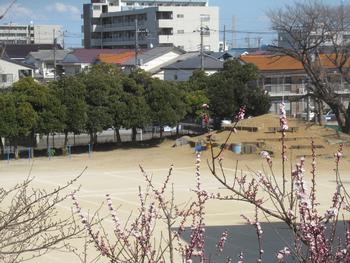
(30, 34)
(112, 24)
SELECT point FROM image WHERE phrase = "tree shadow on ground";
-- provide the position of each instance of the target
(242, 238)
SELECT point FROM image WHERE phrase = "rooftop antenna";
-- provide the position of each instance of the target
(7, 9)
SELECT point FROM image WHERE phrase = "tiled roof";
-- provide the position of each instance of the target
(283, 62)
(116, 58)
(48, 55)
(21, 51)
(195, 63)
(17, 62)
(82, 55)
(150, 54)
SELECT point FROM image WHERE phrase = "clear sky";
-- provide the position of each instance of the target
(250, 15)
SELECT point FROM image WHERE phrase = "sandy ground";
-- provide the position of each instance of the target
(117, 173)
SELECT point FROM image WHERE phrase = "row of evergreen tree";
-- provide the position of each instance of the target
(105, 97)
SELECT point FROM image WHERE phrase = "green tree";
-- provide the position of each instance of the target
(233, 87)
(17, 119)
(195, 94)
(45, 102)
(117, 106)
(99, 82)
(71, 92)
(166, 103)
(138, 111)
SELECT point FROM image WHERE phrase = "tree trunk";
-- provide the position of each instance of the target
(134, 133)
(320, 113)
(53, 140)
(161, 132)
(2, 148)
(95, 138)
(48, 142)
(119, 138)
(91, 137)
(15, 148)
(347, 119)
(342, 115)
(65, 140)
(177, 130)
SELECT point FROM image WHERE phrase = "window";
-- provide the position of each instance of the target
(287, 80)
(164, 15)
(6, 78)
(180, 31)
(180, 16)
(165, 31)
(96, 7)
(22, 73)
(204, 17)
(105, 9)
(267, 81)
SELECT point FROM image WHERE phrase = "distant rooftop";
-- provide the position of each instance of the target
(195, 63)
(278, 62)
(89, 56)
(21, 51)
(49, 55)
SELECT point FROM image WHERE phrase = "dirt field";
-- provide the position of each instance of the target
(116, 172)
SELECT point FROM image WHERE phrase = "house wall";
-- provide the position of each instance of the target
(74, 69)
(11, 70)
(182, 74)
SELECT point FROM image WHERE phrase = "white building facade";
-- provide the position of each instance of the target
(31, 34)
(112, 24)
(12, 71)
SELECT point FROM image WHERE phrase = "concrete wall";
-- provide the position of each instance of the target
(45, 34)
(184, 25)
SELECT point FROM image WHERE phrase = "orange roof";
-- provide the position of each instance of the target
(116, 58)
(283, 62)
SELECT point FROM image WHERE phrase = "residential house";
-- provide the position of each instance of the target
(81, 59)
(153, 60)
(12, 71)
(183, 70)
(19, 52)
(285, 80)
(45, 62)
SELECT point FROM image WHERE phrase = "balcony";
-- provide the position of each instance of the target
(276, 90)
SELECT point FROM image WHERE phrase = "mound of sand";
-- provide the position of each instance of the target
(263, 133)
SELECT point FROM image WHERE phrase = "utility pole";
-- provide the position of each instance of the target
(224, 38)
(63, 39)
(136, 43)
(202, 47)
(54, 54)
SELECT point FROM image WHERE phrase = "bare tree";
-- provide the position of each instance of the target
(313, 34)
(30, 224)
